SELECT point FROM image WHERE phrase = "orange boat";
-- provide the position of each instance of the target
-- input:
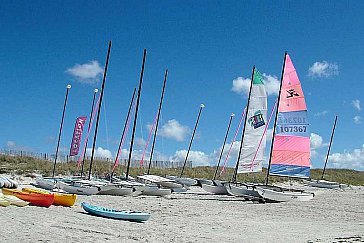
(36, 199)
(60, 199)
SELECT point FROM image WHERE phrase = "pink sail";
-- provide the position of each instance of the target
(77, 135)
(291, 146)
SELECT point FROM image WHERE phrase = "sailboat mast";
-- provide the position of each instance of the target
(136, 114)
(242, 136)
(156, 125)
(60, 129)
(193, 135)
(89, 125)
(123, 133)
(223, 145)
(328, 151)
(99, 109)
(275, 121)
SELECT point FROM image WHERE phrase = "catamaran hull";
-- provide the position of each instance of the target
(323, 184)
(79, 189)
(215, 189)
(155, 191)
(284, 195)
(242, 190)
(116, 191)
(46, 183)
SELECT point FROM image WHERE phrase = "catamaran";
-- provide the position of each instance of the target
(290, 149)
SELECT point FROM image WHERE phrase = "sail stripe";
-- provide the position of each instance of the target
(291, 143)
(290, 170)
(298, 158)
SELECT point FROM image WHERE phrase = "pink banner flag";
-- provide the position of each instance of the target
(77, 135)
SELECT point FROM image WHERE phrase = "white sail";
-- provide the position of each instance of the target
(254, 128)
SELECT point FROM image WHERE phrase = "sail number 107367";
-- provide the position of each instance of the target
(293, 129)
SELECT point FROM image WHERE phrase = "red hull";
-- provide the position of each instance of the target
(41, 200)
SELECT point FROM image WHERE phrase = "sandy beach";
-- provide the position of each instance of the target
(195, 216)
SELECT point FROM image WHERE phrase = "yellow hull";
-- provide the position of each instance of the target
(60, 199)
(4, 202)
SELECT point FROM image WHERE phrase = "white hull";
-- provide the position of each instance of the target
(46, 183)
(283, 195)
(79, 189)
(323, 184)
(155, 191)
(183, 180)
(242, 190)
(116, 191)
(218, 189)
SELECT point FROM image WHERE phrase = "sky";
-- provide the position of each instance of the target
(209, 49)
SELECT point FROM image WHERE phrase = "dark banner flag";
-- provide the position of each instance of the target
(77, 135)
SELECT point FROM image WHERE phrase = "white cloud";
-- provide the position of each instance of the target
(198, 158)
(174, 130)
(351, 160)
(271, 84)
(322, 113)
(140, 142)
(323, 69)
(356, 104)
(316, 141)
(86, 73)
(242, 85)
(100, 152)
(10, 144)
(357, 119)
(269, 135)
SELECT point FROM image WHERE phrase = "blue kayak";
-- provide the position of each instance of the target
(115, 214)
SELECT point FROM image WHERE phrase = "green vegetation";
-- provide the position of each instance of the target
(28, 166)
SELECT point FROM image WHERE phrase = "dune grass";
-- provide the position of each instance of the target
(28, 166)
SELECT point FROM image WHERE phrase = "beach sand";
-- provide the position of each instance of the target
(196, 216)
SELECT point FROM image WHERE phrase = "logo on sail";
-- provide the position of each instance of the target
(291, 93)
(257, 120)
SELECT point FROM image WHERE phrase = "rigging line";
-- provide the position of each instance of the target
(106, 129)
(149, 137)
(88, 133)
(264, 133)
(124, 136)
(233, 141)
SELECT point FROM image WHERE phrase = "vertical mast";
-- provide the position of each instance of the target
(89, 127)
(60, 129)
(136, 113)
(99, 109)
(123, 133)
(328, 151)
(156, 125)
(242, 135)
(275, 120)
(193, 135)
(223, 146)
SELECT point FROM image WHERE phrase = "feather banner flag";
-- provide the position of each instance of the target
(77, 135)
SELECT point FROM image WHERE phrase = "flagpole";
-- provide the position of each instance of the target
(275, 121)
(156, 125)
(99, 109)
(123, 133)
(60, 128)
(193, 135)
(242, 135)
(223, 145)
(136, 113)
(88, 128)
(328, 151)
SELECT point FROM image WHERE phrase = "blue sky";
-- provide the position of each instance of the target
(205, 45)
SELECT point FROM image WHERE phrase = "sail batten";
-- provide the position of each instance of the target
(291, 146)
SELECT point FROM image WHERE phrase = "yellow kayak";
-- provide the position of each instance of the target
(13, 200)
(60, 199)
(4, 202)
